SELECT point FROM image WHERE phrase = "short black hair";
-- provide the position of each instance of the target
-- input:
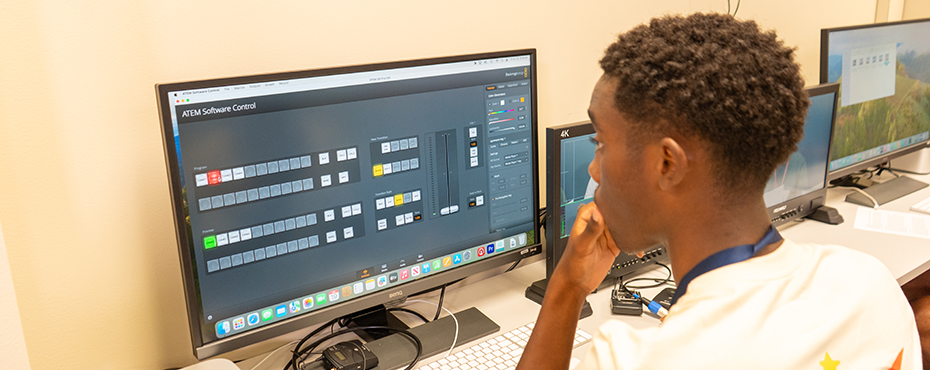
(712, 77)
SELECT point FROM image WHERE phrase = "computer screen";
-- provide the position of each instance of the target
(577, 186)
(884, 73)
(304, 196)
(798, 185)
(805, 170)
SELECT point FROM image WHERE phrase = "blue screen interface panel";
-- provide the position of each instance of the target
(308, 192)
(805, 171)
(577, 186)
(884, 75)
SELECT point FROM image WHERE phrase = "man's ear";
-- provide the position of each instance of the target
(674, 163)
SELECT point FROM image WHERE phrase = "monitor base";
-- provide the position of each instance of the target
(827, 215)
(536, 291)
(376, 316)
(886, 191)
(395, 351)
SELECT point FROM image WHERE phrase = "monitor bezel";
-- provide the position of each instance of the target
(624, 264)
(824, 66)
(555, 247)
(203, 350)
(804, 205)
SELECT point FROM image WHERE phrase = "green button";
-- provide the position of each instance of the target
(209, 242)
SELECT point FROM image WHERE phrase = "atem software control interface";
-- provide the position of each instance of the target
(302, 193)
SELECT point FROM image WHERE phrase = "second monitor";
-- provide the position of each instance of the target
(882, 110)
(796, 189)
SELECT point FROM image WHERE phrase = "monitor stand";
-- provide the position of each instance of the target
(376, 316)
(827, 215)
(886, 191)
(395, 350)
(536, 291)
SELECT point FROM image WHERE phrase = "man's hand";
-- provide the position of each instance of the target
(589, 254)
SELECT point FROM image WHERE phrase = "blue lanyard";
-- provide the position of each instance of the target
(725, 257)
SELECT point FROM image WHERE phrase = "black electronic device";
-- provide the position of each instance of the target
(798, 187)
(349, 355)
(827, 215)
(623, 302)
(882, 112)
(664, 297)
(304, 196)
(569, 151)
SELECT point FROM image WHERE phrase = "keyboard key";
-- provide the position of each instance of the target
(501, 352)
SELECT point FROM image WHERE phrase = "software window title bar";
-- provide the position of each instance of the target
(341, 80)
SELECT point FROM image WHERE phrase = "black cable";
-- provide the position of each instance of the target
(669, 269)
(412, 312)
(442, 293)
(655, 281)
(737, 7)
(434, 288)
(852, 180)
(728, 7)
(300, 352)
(514, 265)
(882, 169)
(308, 336)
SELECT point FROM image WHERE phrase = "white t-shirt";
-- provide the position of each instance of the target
(799, 307)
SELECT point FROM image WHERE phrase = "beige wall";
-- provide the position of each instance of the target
(83, 191)
(916, 9)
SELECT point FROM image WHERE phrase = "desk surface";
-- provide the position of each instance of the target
(501, 297)
(905, 257)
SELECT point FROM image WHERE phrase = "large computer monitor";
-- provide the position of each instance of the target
(798, 187)
(884, 75)
(304, 196)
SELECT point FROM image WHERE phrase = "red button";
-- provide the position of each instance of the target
(214, 177)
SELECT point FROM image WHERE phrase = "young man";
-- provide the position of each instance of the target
(692, 116)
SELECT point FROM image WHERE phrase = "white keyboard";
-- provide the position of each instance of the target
(922, 206)
(498, 353)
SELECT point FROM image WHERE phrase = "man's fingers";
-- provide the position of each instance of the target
(610, 242)
(589, 221)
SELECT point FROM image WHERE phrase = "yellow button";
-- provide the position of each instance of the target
(398, 199)
(378, 171)
(522, 100)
